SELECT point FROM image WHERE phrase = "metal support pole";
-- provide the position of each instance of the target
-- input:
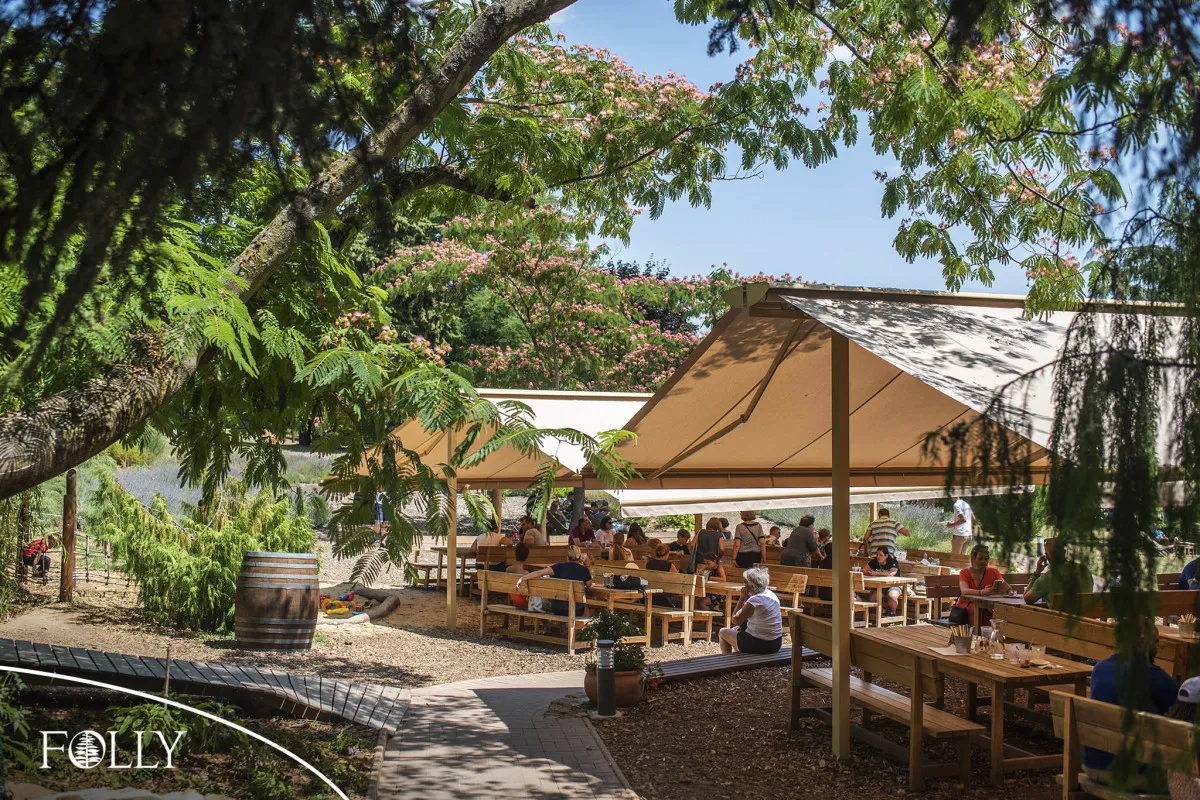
(167, 678)
(606, 701)
(578, 503)
(498, 504)
(66, 575)
(842, 608)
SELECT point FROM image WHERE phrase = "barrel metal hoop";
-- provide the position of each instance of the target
(296, 621)
(278, 575)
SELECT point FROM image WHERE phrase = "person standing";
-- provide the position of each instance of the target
(799, 548)
(747, 541)
(883, 531)
(961, 526)
(709, 540)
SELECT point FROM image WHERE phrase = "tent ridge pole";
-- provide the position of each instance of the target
(744, 417)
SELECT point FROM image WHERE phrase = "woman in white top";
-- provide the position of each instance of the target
(758, 622)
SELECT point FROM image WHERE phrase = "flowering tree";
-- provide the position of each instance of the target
(581, 326)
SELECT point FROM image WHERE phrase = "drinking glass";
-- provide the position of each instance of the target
(1037, 650)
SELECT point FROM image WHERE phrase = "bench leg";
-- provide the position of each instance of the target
(866, 712)
(939, 690)
(964, 758)
(997, 734)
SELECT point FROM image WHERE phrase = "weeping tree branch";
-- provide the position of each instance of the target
(57, 433)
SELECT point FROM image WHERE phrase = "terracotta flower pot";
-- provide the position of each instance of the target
(626, 685)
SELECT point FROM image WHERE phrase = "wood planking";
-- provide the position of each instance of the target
(381, 708)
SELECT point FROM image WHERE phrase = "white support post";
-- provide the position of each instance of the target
(842, 608)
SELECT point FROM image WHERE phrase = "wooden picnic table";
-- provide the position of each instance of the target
(610, 597)
(464, 553)
(883, 583)
(729, 590)
(1001, 676)
(991, 601)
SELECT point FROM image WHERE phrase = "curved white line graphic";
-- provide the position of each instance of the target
(166, 701)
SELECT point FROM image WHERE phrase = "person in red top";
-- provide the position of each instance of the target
(979, 580)
(34, 555)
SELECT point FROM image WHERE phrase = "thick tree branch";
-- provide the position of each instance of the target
(54, 434)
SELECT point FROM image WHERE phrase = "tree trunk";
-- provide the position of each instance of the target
(59, 432)
(66, 572)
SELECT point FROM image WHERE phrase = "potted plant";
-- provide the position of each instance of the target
(629, 660)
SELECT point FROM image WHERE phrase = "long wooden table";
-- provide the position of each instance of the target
(883, 583)
(464, 553)
(980, 669)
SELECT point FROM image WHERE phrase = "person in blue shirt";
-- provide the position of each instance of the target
(1157, 694)
(573, 569)
(1188, 574)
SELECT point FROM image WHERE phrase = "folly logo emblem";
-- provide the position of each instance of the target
(132, 750)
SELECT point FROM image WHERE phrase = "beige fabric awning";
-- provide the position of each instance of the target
(587, 412)
(661, 502)
(750, 408)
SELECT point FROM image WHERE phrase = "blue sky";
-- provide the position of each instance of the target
(821, 224)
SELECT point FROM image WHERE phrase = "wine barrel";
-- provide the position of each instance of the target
(276, 605)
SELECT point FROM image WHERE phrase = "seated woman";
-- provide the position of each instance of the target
(604, 533)
(884, 565)
(661, 560)
(635, 534)
(711, 569)
(619, 551)
(758, 622)
(978, 580)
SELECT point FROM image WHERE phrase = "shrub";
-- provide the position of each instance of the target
(187, 568)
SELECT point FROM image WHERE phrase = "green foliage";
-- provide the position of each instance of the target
(201, 735)
(14, 726)
(186, 569)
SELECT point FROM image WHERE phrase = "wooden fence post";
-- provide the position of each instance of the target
(66, 576)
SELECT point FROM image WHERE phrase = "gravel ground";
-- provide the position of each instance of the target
(408, 648)
(726, 737)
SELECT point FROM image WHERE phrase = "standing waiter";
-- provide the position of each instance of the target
(961, 526)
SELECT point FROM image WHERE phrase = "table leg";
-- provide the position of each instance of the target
(728, 610)
(972, 701)
(463, 586)
(904, 603)
(880, 592)
(977, 619)
(997, 734)
(439, 570)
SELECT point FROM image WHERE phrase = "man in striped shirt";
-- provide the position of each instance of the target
(882, 532)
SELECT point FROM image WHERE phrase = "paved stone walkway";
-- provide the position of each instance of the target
(492, 738)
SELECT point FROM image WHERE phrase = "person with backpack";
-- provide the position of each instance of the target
(747, 541)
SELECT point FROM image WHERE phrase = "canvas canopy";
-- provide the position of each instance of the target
(587, 412)
(661, 502)
(750, 408)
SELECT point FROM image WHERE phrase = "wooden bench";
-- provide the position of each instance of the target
(420, 574)
(1079, 637)
(1165, 603)
(688, 668)
(1081, 722)
(1168, 580)
(682, 585)
(876, 658)
(944, 559)
(546, 588)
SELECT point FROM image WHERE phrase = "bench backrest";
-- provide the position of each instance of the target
(915, 569)
(959, 560)
(547, 588)
(811, 632)
(938, 587)
(1076, 636)
(676, 583)
(549, 554)
(1168, 580)
(1164, 603)
(1083, 722)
